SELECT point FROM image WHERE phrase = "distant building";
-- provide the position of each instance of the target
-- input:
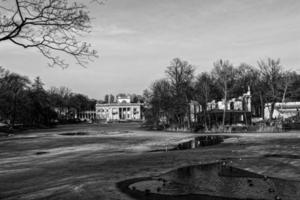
(123, 99)
(241, 103)
(87, 115)
(238, 111)
(122, 109)
(195, 109)
(282, 110)
(65, 113)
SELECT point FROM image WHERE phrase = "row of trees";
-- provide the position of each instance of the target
(134, 98)
(55, 29)
(28, 103)
(169, 98)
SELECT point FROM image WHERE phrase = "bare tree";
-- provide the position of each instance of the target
(51, 26)
(224, 73)
(272, 76)
(160, 102)
(12, 88)
(288, 78)
(181, 75)
(203, 88)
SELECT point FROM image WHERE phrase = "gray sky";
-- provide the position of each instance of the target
(137, 39)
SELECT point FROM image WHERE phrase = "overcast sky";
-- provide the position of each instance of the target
(137, 39)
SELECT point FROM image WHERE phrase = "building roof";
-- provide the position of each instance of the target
(118, 104)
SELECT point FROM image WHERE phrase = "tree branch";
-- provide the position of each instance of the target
(51, 26)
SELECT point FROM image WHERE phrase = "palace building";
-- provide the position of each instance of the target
(121, 110)
(238, 110)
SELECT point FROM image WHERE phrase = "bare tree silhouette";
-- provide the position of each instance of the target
(51, 26)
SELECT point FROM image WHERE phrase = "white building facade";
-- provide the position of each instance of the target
(282, 110)
(123, 109)
(241, 103)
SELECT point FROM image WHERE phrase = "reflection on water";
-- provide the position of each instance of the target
(197, 142)
(211, 181)
(201, 141)
(74, 134)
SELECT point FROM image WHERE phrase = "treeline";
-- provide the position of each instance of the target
(168, 99)
(110, 98)
(27, 103)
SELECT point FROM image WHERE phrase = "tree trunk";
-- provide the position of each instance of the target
(284, 93)
(189, 117)
(14, 111)
(272, 110)
(262, 106)
(205, 119)
(209, 121)
(205, 115)
(225, 106)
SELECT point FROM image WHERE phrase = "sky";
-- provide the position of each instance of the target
(137, 39)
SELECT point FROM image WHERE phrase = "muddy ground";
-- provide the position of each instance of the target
(86, 161)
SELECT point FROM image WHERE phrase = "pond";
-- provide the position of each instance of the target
(218, 181)
(197, 142)
(74, 134)
(201, 141)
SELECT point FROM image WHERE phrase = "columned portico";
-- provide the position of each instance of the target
(119, 111)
